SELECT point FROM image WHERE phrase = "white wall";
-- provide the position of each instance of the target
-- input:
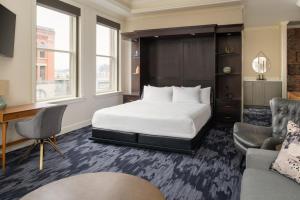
(268, 40)
(18, 70)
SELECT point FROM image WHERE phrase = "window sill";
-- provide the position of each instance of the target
(71, 100)
(107, 94)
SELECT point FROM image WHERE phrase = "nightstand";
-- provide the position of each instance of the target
(130, 97)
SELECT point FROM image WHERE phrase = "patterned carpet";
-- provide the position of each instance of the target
(212, 174)
(259, 116)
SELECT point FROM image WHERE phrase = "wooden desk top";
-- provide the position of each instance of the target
(21, 111)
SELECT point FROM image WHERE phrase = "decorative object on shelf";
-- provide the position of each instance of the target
(3, 91)
(228, 50)
(136, 53)
(226, 70)
(137, 69)
(261, 64)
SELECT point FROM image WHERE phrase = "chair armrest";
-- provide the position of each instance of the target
(271, 143)
(260, 158)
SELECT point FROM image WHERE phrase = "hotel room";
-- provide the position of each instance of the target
(150, 99)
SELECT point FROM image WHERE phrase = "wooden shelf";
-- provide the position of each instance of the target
(229, 54)
(227, 99)
(230, 74)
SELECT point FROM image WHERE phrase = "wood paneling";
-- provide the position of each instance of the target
(259, 93)
(186, 61)
(198, 56)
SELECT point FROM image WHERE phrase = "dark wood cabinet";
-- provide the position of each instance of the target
(190, 56)
(130, 98)
(228, 111)
(228, 85)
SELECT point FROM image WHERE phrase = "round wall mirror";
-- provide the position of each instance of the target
(261, 64)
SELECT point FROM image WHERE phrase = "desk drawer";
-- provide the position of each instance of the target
(19, 115)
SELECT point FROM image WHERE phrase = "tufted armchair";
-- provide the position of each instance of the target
(252, 136)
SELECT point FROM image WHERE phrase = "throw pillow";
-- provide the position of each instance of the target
(287, 162)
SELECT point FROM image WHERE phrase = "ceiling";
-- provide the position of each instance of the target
(270, 12)
(256, 12)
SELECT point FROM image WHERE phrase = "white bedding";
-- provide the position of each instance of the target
(183, 120)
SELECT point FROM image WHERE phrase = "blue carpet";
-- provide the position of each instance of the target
(213, 173)
(258, 116)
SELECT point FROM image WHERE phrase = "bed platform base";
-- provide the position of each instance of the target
(163, 143)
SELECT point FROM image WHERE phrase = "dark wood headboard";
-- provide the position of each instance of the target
(184, 61)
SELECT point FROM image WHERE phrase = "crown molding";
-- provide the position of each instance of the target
(183, 5)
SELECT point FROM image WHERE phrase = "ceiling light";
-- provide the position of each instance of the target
(298, 3)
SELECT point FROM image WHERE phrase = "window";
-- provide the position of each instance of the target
(106, 55)
(57, 56)
(42, 73)
(42, 54)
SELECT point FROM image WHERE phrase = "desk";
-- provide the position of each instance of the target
(16, 113)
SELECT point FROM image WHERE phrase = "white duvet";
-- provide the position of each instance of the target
(183, 120)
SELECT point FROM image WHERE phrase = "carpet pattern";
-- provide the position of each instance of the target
(213, 173)
(258, 116)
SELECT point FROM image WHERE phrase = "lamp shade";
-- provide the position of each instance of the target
(3, 87)
(298, 3)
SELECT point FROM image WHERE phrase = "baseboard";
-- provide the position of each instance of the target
(75, 126)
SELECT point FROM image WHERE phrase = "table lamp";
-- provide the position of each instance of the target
(3, 91)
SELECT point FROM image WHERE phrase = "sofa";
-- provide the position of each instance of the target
(261, 183)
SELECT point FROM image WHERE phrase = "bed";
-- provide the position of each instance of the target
(166, 126)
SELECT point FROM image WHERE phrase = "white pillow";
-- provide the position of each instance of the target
(205, 95)
(186, 94)
(157, 94)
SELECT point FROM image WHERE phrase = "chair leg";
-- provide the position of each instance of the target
(41, 154)
(55, 147)
(54, 140)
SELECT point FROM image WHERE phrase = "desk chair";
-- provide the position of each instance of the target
(42, 128)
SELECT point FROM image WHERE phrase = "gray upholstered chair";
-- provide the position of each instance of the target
(42, 128)
(252, 136)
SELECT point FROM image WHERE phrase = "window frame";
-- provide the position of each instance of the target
(75, 13)
(113, 58)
